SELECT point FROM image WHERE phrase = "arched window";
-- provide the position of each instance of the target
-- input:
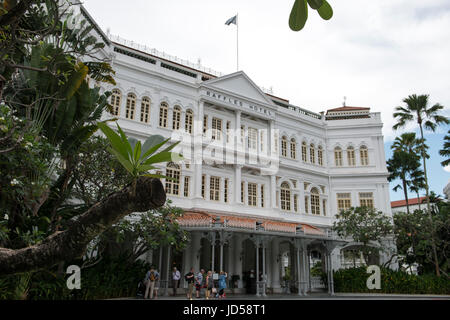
(116, 99)
(338, 156)
(293, 149)
(163, 110)
(320, 155)
(285, 197)
(176, 118)
(188, 121)
(145, 110)
(173, 186)
(304, 151)
(131, 106)
(312, 153)
(284, 146)
(364, 155)
(315, 201)
(351, 156)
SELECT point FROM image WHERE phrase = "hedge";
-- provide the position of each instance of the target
(354, 280)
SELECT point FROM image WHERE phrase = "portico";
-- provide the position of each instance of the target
(251, 252)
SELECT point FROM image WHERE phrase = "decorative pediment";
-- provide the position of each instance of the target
(239, 83)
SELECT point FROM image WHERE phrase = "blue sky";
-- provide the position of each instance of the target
(438, 177)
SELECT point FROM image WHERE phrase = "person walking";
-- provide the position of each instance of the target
(190, 278)
(199, 283)
(175, 280)
(222, 284)
(150, 279)
(209, 284)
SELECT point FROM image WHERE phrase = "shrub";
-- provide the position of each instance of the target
(354, 280)
(112, 278)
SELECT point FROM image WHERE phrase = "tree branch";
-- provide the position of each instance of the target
(72, 243)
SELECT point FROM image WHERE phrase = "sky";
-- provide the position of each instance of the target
(375, 53)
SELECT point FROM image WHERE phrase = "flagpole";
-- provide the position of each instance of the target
(237, 42)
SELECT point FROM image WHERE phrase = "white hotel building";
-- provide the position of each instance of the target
(241, 213)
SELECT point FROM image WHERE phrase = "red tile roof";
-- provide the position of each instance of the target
(347, 109)
(402, 203)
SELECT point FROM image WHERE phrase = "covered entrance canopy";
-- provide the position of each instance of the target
(232, 233)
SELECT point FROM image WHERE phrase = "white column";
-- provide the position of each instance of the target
(196, 238)
(154, 110)
(198, 152)
(137, 110)
(270, 137)
(230, 262)
(213, 251)
(237, 183)
(301, 202)
(221, 255)
(273, 191)
(207, 186)
(237, 246)
(187, 255)
(299, 275)
(257, 267)
(264, 267)
(276, 264)
(330, 262)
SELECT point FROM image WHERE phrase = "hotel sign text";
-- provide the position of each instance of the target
(239, 103)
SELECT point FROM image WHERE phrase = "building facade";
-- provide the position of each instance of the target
(262, 180)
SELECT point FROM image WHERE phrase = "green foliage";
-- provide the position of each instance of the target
(111, 278)
(25, 175)
(317, 269)
(136, 158)
(365, 226)
(137, 233)
(97, 172)
(413, 237)
(299, 12)
(354, 280)
(445, 151)
(405, 165)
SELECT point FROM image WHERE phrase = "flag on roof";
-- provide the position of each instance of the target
(232, 20)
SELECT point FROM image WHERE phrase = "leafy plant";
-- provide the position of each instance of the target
(299, 12)
(354, 280)
(136, 158)
(366, 226)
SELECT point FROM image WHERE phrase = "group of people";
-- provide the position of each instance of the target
(214, 285)
(207, 281)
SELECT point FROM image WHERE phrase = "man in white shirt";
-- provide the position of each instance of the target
(176, 276)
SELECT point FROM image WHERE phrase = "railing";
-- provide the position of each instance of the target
(261, 287)
(163, 55)
(317, 283)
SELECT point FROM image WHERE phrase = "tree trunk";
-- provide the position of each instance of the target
(433, 244)
(405, 191)
(71, 243)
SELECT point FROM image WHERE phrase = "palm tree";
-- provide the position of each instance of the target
(402, 166)
(417, 109)
(417, 183)
(409, 143)
(406, 142)
(445, 151)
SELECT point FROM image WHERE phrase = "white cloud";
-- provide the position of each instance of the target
(376, 53)
(447, 168)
